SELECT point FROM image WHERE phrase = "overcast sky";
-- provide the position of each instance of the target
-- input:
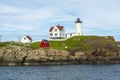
(35, 17)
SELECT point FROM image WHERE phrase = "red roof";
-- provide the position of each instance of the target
(58, 26)
(29, 37)
(51, 29)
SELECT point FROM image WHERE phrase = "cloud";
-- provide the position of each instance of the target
(14, 27)
(99, 16)
(13, 13)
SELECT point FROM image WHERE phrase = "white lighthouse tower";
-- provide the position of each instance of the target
(78, 24)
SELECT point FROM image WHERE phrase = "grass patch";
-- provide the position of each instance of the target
(35, 45)
(73, 43)
(57, 44)
(81, 43)
(6, 44)
(77, 42)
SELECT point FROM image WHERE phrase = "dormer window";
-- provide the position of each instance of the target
(56, 30)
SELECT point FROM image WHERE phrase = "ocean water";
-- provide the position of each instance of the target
(61, 72)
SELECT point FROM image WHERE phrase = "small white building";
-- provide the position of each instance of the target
(26, 39)
(56, 32)
(70, 35)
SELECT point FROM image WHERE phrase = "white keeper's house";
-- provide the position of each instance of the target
(58, 32)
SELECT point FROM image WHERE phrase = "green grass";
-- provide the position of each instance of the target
(6, 44)
(81, 43)
(35, 45)
(74, 43)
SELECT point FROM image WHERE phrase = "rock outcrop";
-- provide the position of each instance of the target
(15, 55)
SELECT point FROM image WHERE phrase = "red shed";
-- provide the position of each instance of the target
(44, 43)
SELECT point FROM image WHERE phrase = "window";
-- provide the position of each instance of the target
(51, 34)
(56, 34)
(70, 34)
(56, 30)
(24, 38)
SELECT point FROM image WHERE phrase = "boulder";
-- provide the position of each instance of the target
(9, 56)
(80, 55)
(65, 53)
(33, 57)
(20, 55)
(2, 51)
(52, 53)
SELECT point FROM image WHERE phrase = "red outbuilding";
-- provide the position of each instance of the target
(44, 43)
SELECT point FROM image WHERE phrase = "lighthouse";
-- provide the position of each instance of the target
(78, 24)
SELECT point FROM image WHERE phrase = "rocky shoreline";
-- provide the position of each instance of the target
(21, 56)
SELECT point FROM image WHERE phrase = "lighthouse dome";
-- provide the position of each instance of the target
(78, 20)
